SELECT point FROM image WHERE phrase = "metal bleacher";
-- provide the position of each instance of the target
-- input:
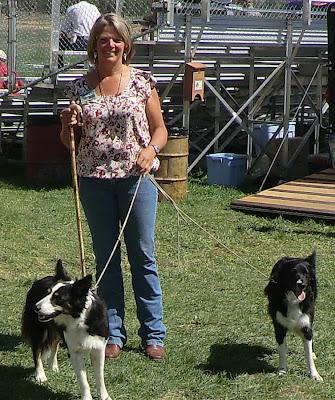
(237, 50)
(236, 45)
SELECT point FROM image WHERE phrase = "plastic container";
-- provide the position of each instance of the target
(227, 169)
(264, 133)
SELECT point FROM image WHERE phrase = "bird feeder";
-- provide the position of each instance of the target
(194, 81)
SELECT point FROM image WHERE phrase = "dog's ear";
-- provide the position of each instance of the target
(274, 277)
(82, 286)
(61, 274)
(270, 287)
(312, 260)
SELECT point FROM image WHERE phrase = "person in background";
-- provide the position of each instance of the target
(76, 27)
(4, 73)
(244, 3)
(4, 86)
(123, 131)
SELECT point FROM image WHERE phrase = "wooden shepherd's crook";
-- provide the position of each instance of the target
(76, 199)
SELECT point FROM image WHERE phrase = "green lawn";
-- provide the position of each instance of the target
(220, 342)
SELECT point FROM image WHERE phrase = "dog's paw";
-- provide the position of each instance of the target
(316, 377)
(53, 365)
(40, 378)
(282, 371)
(105, 397)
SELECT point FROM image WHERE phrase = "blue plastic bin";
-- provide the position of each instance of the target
(227, 169)
(264, 133)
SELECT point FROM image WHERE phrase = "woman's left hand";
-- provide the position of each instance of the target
(145, 159)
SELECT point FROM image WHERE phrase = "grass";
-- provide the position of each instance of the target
(220, 341)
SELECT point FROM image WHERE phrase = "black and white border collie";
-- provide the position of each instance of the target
(57, 309)
(292, 292)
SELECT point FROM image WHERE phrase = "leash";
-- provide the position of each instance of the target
(120, 234)
(187, 218)
(180, 215)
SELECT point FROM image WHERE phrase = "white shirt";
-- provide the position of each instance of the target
(79, 19)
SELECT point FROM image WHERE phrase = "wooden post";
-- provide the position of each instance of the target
(76, 200)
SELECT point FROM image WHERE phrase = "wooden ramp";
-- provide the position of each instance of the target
(312, 196)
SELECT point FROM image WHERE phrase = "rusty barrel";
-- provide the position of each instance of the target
(172, 173)
(47, 159)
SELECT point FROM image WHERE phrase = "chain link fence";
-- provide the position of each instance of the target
(30, 29)
(279, 9)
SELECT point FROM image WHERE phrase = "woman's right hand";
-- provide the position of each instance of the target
(69, 117)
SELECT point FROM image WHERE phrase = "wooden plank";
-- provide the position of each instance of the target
(306, 190)
(315, 185)
(279, 196)
(320, 177)
(312, 196)
(309, 184)
(289, 204)
(256, 209)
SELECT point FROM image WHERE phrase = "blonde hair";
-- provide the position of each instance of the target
(112, 21)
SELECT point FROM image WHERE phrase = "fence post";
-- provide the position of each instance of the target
(170, 12)
(287, 93)
(188, 58)
(55, 30)
(12, 6)
(119, 7)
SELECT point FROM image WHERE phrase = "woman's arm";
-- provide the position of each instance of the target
(69, 116)
(158, 133)
(157, 127)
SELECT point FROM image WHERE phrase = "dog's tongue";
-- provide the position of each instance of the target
(302, 296)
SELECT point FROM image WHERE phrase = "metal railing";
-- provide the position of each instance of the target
(26, 34)
(279, 9)
(30, 28)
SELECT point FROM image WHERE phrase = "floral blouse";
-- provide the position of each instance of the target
(115, 128)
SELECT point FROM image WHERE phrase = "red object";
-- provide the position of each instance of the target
(328, 95)
(48, 160)
(4, 74)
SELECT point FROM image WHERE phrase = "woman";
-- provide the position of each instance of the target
(123, 131)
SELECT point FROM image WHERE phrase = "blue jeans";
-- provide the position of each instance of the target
(106, 203)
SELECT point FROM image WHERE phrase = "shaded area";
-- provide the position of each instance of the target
(236, 359)
(296, 231)
(9, 342)
(15, 175)
(16, 384)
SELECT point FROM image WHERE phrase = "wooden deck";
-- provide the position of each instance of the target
(312, 196)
